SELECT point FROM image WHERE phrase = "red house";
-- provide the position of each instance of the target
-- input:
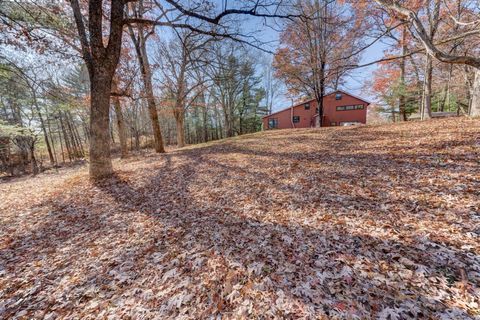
(340, 108)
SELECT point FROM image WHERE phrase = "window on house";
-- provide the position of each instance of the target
(273, 123)
(353, 107)
(296, 119)
(307, 106)
(338, 96)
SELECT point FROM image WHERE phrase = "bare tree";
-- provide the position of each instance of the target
(101, 60)
(139, 40)
(226, 84)
(33, 85)
(317, 48)
(433, 14)
(122, 130)
(271, 85)
(434, 50)
(102, 56)
(180, 60)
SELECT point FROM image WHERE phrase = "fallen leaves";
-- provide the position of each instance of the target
(359, 222)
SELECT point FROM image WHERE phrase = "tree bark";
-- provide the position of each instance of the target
(100, 88)
(228, 118)
(152, 111)
(446, 90)
(427, 89)
(475, 105)
(319, 55)
(122, 131)
(35, 169)
(141, 50)
(403, 61)
(52, 139)
(180, 122)
(45, 134)
(101, 63)
(179, 103)
(320, 96)
(433, 18)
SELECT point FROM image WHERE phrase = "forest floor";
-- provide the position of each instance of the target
(377, 222)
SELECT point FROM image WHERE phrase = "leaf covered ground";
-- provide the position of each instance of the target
(377, 222)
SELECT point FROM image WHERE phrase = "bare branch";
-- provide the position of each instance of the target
(82, 33)
(430, 47)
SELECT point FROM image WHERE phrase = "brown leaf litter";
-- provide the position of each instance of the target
(378, 222)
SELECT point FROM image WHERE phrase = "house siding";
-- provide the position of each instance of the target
(331, 115)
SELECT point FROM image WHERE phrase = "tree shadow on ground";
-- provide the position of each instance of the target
(234, 227)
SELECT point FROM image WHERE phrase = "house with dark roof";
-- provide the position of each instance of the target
(339, 109)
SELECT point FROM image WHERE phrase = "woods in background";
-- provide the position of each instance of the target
(195, 88)
(432, 63)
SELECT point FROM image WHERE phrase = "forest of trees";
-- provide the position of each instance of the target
(88, 79)
(433, 61)
(188, 88)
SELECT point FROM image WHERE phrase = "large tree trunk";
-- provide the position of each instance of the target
(446, 90)
(320, 35)
(475, 105)
(228, 117)
(180, 122)
(427, 89)
(152, 111)
(101, 62)
(100, 161)
(122, 130)
(179, 111)
(318, 120)
(433, 25)
(35, 169)
(320, 98)
(319, 93)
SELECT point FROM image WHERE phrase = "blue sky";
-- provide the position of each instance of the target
(362, 75)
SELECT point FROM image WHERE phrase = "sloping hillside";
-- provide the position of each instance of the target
(365, 222)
